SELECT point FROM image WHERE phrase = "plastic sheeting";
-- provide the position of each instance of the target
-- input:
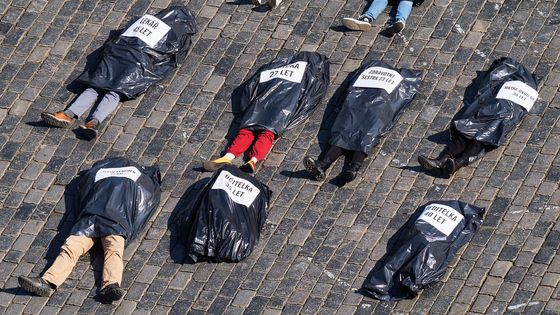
(373, 101)
(148, 50)
(421, 250)
(117, 197)
(503, 96)
(283, 93)
(225, 221)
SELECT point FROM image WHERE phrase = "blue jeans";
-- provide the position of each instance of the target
(377, 6)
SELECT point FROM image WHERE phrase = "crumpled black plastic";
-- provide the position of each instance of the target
(129, 66)
(217, 228)
(278, 105)
(419, 253)
(487, 118)
(368, 113)
(116, 205)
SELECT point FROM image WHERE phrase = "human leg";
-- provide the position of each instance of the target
(398, 22)
(107, 105)
(74, 247)
(356, 160)
(363, 22)
(238, 146)
(65, 119)
(260, 148)
(317, 168)
(375, 9)
(113, 251)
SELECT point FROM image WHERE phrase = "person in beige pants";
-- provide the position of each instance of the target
(74, 247)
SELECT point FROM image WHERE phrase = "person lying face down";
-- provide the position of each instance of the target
(502, 97)
(145, 52)
(280, 96)
(117, 199)
(373, 100)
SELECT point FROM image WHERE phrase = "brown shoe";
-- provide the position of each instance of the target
(250, 167)
(58, 119)
(88, 130)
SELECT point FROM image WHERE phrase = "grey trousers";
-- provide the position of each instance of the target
(86, 100)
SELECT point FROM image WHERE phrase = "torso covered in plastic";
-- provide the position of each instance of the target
(504, 95)
(225, 221)
(375, 97)
(283, 93)
(144, 53)
(117, 197)
(421, 250)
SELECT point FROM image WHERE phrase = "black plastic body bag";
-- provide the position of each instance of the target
(117, 197)
(224, 222)
(421, 250)
(374, 99)
(497, 106)
(145, 52)
(282, 93)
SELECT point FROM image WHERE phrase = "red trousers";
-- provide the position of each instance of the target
(245, 138)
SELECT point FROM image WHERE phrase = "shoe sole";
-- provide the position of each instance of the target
(425, 164)
(56, 122)
(310, 167)
(28, 286)
(212, 167)
(356, 25)
(87, 133)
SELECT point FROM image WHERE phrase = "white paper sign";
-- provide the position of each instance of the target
(519, 93)
(149, 29)
(442, 217)
(130, 172)
(379, 78)
(293, 72)
(238, 189)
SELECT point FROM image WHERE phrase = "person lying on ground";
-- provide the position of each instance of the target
(502, 97)
(396, 22)
(373, 100)
(146, 52)
(280, 96)
(117, 199)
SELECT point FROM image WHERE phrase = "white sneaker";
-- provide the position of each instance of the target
(259, 2)
(362, 23)
(274, 3)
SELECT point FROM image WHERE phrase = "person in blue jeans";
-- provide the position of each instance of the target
(396, 23)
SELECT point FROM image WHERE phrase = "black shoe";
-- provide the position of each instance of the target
(394, 29)
(250, 167)
(432, 164)
(448, 168)
(110, 293)
(36, 285)
(88, 130)
(351, 173)
(314, 168)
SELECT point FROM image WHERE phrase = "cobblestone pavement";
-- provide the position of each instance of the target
(320, 241)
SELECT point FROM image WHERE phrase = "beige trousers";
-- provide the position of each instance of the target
(76, 246)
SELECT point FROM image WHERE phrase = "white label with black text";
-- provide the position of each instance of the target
(442, 217)
(379, 78)
(519, 93)
(129, 172)
(293, 72)
(239, 190)
(149, 29)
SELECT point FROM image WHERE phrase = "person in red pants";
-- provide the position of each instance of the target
(260, 139)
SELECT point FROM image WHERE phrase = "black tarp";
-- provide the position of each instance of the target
(117, 197)
(489, 117)
(282, 93)
(368, 110)
(145, 52)
(421, 250)
(225, 221)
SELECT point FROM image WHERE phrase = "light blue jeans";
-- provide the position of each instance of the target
(377, 6)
